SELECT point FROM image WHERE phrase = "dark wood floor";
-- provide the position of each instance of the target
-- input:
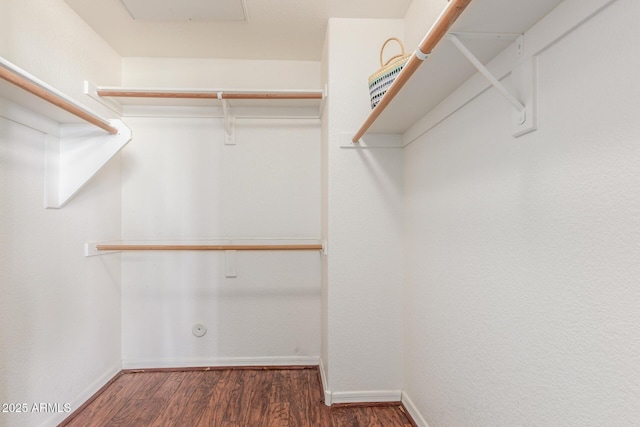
(227, 398)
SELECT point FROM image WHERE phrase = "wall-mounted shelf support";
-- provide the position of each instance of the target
(232, 247)
(96, 248)
(78, 142)
(229, 121)
(231, 263)
(180, 102)
(77, 155)
(436, 33)
(523, 118)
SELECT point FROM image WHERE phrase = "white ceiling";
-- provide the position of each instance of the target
(276, 29)
(186, 10)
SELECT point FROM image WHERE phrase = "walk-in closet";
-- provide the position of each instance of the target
(285, 212)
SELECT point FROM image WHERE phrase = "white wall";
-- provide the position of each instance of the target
(362, 274)
(59, 311)
(180, 182)
(220, 73)
(420, 15)
(521, 297)
(51, 42)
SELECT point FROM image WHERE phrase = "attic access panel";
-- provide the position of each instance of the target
(187, 10)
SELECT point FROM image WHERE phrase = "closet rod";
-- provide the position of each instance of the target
(437, 32)
(207, 94)
(105, 247)
(21, 79)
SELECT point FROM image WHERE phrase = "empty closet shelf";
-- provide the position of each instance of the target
(264, 247)
(24, 89)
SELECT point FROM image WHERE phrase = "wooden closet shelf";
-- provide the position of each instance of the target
(205, 94)
(488, 28)
(32, 92)
(437, 32)
(307, 103)
(294, 247)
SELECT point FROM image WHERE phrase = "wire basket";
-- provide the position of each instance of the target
(380, 81)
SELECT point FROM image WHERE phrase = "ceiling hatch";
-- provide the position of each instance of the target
(187, 10)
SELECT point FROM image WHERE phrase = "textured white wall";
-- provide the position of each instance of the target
(363, 196)
(51, 42)
(521, 304)
(420, 15)
(59, 311)
(220, 73)
(181, 182)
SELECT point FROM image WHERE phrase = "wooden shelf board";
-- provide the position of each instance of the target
(208, 97)
(33, 103)
(446, 69)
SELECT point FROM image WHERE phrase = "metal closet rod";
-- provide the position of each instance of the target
(310, 247)
(25, 82)
(437, 32)
(130, 93)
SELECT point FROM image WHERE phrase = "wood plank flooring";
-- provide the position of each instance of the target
(228, 398)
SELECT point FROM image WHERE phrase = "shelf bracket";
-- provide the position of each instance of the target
(90, 249)
(229, 122)
(524, 116)
(77, 155)
(231, 264)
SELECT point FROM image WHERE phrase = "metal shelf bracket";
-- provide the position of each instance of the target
(524, 77)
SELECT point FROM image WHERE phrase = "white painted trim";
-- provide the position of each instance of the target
(325, 384)
(413, 410)
(221, 361)
(569, 15)
(88, 392)
(366, 396)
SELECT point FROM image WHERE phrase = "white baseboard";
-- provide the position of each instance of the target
(220, 361)
(330, 397)
(367, 396)
(92, 389)
(325, 384)
(372, 396)
(413, 411)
